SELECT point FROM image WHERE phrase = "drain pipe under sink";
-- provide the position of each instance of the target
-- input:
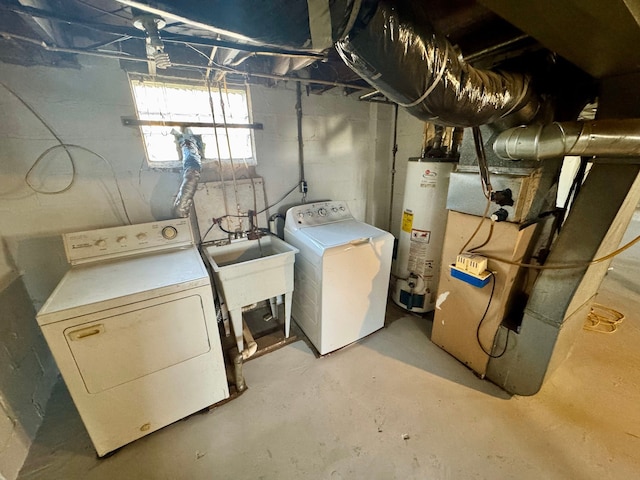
(240, 357)
(252, 346)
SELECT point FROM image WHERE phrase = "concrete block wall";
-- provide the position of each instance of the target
(347, 157)
(338, 156)
(27, 375)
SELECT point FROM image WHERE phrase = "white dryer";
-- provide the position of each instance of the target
(132, 327)
(341, 274)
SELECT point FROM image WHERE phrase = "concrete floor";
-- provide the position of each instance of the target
(393, 406)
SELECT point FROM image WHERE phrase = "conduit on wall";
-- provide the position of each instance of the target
(610, 138)
(397, 52)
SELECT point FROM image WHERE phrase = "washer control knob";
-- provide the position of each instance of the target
(121, 240)
(300, 215)
(322, 212)
(309, 214)
(334, 209)
(342, 208)
(141, 236)
(101, 243)
(169, 232)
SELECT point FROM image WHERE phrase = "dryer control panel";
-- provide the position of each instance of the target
(115, 242)
(319, 213)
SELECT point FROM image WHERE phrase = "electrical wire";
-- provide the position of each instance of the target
(66, 147)
(565, 266)
(207, 232)
(84, 149)
(209, 58)
(483, 165)
(484, 179)
(233, 168)
(280, 200)
(475, 232)
(267, 207)
(484, 316)
(113, 13)
(487, 240)
(487, 189)
(246, 165)
(215, 133)
(37, 162)
(55, 135)
(217, 222)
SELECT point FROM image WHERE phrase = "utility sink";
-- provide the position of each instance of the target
(249, 271)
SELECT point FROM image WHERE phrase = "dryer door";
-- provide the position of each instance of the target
(131, 342)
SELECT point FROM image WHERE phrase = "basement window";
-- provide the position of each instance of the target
(176, 102)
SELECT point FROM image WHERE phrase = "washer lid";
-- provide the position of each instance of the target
(94, 287)
(340, 233)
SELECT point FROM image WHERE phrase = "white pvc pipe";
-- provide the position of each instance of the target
(252, 346)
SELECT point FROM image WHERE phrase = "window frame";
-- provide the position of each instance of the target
(210, 156)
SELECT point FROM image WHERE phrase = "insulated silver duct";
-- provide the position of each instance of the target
(191, 146)
(610, 138)
(389, 43)
(397, 52)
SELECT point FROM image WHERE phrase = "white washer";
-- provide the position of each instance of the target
(341, 274)
(133, 330)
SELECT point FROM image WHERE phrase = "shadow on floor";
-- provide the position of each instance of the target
(407, 338)
(61, 423)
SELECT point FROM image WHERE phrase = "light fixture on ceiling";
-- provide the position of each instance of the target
(151, 25)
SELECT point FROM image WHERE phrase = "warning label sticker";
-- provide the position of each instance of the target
(420, 235)
(407, 221)
(420, 262)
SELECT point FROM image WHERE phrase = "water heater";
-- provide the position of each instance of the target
(424, 218)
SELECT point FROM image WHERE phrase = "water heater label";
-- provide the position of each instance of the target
(407, 221)
(420, 261)
(421, 235)
(429, 179)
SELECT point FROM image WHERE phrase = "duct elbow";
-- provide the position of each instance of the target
(534, 142)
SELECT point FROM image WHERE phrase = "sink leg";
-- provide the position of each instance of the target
(273, 303)
(287, 313)
(236, 320)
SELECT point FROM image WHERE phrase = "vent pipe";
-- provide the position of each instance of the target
(606, 138)
(190, 147)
